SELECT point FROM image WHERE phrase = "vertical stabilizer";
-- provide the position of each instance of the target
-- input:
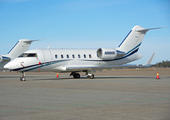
(150, 60)
(21, 46)
(133, 40)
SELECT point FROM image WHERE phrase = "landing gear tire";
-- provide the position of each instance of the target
(91, 76)
(77, 75)
(22, 79)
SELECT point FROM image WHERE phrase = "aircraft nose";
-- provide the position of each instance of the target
(7, 66)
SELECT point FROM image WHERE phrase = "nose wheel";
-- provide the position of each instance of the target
(22, 76)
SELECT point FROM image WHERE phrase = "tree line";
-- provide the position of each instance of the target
(162, 64)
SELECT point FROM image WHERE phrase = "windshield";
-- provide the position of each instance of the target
(28, 55)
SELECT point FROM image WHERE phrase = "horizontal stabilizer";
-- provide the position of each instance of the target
(141, 30)
(27, 40)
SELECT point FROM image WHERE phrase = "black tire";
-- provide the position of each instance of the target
(76, 75)
(92, 76)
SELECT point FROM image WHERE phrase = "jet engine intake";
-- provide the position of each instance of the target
(109, 53)
(4, 59)
(1, 59)
(106, 53)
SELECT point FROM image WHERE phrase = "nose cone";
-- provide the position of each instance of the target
(7, 66)
(11, 65)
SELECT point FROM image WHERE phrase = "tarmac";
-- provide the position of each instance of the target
(126, 94)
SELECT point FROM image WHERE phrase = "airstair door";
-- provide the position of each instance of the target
(47, 59)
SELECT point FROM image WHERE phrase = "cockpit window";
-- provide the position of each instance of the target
(28, 55)
(32, 55)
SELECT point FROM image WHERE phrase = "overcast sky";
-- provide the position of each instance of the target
(85, 24)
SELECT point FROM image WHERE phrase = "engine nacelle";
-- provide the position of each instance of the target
(106, 53)
(1, 59)
(4, 59)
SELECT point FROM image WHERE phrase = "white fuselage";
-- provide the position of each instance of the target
(63, 60)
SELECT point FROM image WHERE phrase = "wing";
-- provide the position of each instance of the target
(109, 67)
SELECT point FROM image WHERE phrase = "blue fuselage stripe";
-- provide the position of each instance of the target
(35, 66)
(133, 49)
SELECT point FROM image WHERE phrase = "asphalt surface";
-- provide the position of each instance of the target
(107, 97)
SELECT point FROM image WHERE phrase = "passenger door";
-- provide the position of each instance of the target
(47, 58)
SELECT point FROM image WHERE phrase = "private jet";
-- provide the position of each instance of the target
(81, 60)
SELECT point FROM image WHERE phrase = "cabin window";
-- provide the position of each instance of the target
(78, 55)
(28, 55)
(56, 56)
(62, 56)
(89, 55)
(67, 56)
(84, 56)
(73, 56)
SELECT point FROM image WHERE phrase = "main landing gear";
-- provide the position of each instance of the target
(22, 76)
(90, 76)
(77, 75)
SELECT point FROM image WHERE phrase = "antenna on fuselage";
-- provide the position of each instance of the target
(48, 47)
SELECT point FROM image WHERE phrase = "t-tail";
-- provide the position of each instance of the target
(133, 40)
(21, 46)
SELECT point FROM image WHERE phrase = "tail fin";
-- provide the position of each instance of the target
(21, 46)
(133, 40)
(150, 60)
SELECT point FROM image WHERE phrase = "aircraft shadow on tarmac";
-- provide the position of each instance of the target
(96, 78)
(9, 76)
(34, 78)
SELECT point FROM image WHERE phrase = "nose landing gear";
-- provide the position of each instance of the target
(22, 76)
